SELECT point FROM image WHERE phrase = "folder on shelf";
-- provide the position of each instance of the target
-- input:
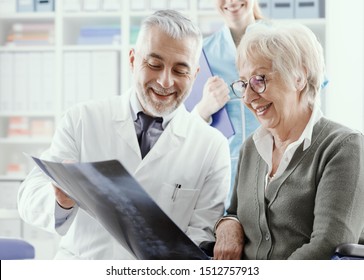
(35, 82)
(112, 5)
(6, 81)
(138, 5)
(91, 5)
(69, 79)
(307, 9)
(158, 4)
(282, 9)
(71, 5)
(220, 119)
(83, 72)
(21, 79)
(266, 7)
(179, 5)
(48, 78)
(7, 6)
(24, 6)
(44, 5)
(104, 74)
(107, 192)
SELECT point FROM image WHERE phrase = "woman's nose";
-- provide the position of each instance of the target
(249, 95)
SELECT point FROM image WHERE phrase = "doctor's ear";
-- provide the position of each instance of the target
(131, 59)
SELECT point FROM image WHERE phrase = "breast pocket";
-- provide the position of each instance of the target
(178, 203)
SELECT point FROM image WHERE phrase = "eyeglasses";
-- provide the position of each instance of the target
(257, 83)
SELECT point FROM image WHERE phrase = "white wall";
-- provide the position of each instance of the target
(345, 62)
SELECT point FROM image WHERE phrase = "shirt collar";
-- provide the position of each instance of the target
(263, 139)
(136, 107)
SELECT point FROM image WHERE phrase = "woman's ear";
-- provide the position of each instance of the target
(301, 80)
(301, 83)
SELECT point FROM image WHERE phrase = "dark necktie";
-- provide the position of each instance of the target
(150, 130)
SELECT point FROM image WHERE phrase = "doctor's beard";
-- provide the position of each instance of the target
(157, 107)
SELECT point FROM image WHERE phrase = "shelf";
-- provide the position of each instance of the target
(27, 49)
(27, 16)
(11, 178)
(27, 114)
(92, 48)
(9, 214)
(25, 140)
(79, 15)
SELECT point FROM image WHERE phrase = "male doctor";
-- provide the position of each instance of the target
(184, 149)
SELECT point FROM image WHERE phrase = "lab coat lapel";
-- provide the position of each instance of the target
(124, 125)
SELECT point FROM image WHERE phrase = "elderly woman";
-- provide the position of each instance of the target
(299, 190)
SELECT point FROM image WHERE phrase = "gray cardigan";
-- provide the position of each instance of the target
(315, 205)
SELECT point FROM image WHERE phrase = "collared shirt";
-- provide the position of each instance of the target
(136, 107)
(263, 140)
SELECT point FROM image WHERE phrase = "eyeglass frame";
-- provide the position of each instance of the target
(246, 85)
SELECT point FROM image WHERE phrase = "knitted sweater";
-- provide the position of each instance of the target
(315, 205)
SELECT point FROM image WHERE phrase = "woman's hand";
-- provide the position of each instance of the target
(229, 240)
(215, 95)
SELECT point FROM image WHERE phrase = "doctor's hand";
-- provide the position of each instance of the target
(63, 199)
(215, 95)
(229, 240)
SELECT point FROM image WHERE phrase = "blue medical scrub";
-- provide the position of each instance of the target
(220, 51)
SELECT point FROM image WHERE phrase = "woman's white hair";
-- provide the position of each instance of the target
(294, 51)
(174, 24)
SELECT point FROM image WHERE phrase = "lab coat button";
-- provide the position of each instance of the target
(267, 236)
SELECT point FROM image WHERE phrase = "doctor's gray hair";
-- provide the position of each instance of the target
(174, 24)
(294, 51)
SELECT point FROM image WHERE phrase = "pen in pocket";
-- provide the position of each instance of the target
(175, 191)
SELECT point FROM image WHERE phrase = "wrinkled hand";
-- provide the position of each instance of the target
(215, 95)
(62, 198)
(229, 241)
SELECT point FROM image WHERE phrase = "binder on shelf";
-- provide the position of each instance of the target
(48, 78)
(221, 119)
(83, 72)
(158, 4)
(8, 194)
(21, 85)
(44, 5)
(282, 8)
(69, 79)
(178, 4)
(7, 6)
(100, 35)
(91, 5)
(6, 81)
(104, 74)
(307, 9)
(30, 34)
(35, 82)
(138, 5)
(25, 6)
(71, 5)
(206, 5)
(266, 8)
(18, 127)
(112, 5)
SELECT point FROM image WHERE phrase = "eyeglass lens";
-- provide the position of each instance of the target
(257, 84)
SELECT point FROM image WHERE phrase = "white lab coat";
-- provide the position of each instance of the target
(188, 152)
